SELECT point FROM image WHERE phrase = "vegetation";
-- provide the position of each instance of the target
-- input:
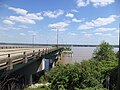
(39, 88)
(67, 49)
(98, 73)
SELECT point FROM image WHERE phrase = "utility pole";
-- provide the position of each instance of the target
(118, 81)
(57, 37)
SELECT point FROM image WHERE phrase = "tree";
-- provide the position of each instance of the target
(87, 75)
(104, 52)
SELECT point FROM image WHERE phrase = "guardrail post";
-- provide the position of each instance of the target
(46, 51)
(39, 53)
(33, 54)
(43, 52)
(10, 65)
(25, 57)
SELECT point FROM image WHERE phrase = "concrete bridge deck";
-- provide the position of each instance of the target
(11, 55)
(20, 66)
(17, 51)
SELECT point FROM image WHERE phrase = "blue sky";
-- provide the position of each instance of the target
(78, 21)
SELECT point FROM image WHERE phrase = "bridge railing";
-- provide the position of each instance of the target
(11, 59)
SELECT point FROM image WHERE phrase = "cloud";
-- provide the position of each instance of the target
(104, 29)
(98, 22)
(25, 17)
(74, 10)
(34, 16)
(32, 33)
(95, 3)
(18, 10)
(108, 34)
(69, 15)
(60, 25)
(98, 33)
(88, 35)
(61, 29)
(53, 14)
(10, 28)
(76, 20)
(8, 22)
(23, 26)
(22, 19)
(102, 3)
(22, 34)
(72, 34)
(82, 3)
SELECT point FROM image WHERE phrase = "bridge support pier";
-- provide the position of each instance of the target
(53, 65)
(28, 79)
(43, 63)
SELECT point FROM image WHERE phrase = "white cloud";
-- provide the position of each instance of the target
(32, 33)
(104, 29)
(22, 19)
(10, 28)
(76, 20)
(84, 27)
(98, 33)
(25, 17)
(61, 29)
(82, 3)
(74, 10)
(88, 35)
(3, 28)
(8, 22)
(23, 26)
(102, 3)
(18, 10)
(53, 14)
(34, 16)
(22, 34)
(95, 3)
(69, 15)
(98, 22)
(108, 34)
(60, 25)
(72, 34)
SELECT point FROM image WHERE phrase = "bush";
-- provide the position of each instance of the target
(87, 75)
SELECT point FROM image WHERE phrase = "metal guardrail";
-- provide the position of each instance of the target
(9, 61)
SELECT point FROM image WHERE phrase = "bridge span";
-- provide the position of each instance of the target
(23, 45)
(20, 67)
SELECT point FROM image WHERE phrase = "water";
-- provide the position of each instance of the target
(79, 54)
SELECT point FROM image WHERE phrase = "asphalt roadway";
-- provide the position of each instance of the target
(17, 51)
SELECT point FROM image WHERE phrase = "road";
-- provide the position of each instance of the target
(17, 51)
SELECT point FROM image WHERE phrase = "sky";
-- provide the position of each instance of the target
(77, 21)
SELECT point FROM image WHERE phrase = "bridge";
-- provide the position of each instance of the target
(23, 65)
(21, 45)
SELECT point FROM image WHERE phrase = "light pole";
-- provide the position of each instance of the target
(118, 81)
(57, 37)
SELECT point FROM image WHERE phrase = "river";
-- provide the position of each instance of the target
(79, 54)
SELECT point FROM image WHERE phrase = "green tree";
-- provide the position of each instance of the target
(104, 52)
(117, 54)
(87, 75)
(107, 62)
